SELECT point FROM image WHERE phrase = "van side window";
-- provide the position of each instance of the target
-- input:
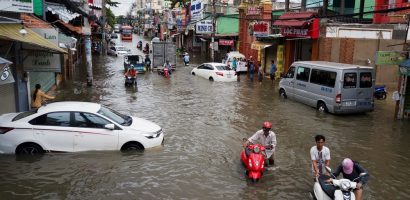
(365, 80)
(350, 80)
(322, 77)
(291, 72)
(303, 74)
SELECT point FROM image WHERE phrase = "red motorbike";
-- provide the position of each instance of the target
(164, 72)
(254, 160)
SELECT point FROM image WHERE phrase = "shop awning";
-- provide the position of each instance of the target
(62, 12)
(5, 72)
(11, 32)
(258, 45)
(294, 19)
(404, 67)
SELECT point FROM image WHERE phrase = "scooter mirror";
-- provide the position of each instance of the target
(328, 169)
(362, 174)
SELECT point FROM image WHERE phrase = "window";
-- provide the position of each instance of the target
(201, 67)
(349, 80)
(325, 78)
(88, 120)
(365, 80)
(23, 115)
(209, 67)
(291, 72)
(223, 67)
(52, 119)
(115, 116)
(112, 48)
(303, 74)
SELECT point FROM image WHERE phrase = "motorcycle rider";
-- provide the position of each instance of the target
(351, 170)
(320, 156)
(139, 44)
(132, 72)
(168, 66)
(147, 62)
(146, 48)
(266, 138)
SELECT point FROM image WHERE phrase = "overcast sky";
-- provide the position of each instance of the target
(123, 7)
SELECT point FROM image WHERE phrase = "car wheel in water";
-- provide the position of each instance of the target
(132, 147)
(321, 107)
(211, 79)
(282, 94)
(29, 149)
(193, 73)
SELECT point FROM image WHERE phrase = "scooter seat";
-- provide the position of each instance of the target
(328, 188)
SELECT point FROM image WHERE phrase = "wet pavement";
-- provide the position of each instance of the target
(204, 123)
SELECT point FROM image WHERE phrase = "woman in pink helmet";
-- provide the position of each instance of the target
(351, 170)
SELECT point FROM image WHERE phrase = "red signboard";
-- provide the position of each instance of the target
(225, 42)
(261, 28)
(308, 31)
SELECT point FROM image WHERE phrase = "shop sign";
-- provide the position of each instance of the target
(5, 74)
(295, 32)
(390, 57)
(253, 11)
(204, 27)
(17, 6)
(196, 10)
(42, 60)
(260, 28)
(223, 42)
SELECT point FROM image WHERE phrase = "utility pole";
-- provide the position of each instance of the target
(213, 30)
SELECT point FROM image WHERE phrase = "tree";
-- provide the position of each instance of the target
(110, 17)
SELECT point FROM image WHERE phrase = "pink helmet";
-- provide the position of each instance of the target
(347, 166)
(267, 125)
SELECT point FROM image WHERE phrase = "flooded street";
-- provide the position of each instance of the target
(204, 123)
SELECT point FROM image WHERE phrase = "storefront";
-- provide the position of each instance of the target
(301, 32)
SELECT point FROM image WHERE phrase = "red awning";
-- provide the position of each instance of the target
(294, 19)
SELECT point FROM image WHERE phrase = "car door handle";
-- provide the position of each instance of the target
(39, 132)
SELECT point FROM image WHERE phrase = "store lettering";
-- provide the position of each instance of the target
(50, 37)
(295, 32)
(253, 11)
(41, 58)
(260, 27)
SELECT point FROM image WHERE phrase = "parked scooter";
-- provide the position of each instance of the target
(130, 81)
(254, 161)
(380, 92)
(339, 189)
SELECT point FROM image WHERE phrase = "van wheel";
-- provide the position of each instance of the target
(282, 94)
(193, 73)
(211, 79)
(321, 107)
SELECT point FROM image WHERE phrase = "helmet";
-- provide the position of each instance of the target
(267, 125)
(347, 164)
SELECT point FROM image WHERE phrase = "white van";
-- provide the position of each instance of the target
(330, 87)
(235, 54)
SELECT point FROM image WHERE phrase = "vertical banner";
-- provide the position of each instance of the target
(279, 60)
(196, 10)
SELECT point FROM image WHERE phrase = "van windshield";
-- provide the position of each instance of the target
(350, 80)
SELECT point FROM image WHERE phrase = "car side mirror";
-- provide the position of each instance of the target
(110, 126)
(328, 169)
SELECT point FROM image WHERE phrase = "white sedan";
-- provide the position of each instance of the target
(73, 127)
(118, 50)
(215, 72)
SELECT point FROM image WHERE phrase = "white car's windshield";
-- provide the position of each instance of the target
(115, 116)
(222, 67)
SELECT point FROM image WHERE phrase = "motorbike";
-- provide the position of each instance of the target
(164, 72)
(130, 81)
(254, 162)
(147, 65)
(339, 189)
(146, 50)
(380, 92)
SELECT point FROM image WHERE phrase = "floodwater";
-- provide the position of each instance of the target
(204, 123)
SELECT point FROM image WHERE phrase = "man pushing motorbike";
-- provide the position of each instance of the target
(266, 138)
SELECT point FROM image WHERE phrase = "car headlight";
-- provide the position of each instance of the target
(256, 149)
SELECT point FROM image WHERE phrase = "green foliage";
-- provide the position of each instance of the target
(110, 18)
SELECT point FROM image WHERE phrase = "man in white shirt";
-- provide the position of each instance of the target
(320, 156)
(266, 138)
